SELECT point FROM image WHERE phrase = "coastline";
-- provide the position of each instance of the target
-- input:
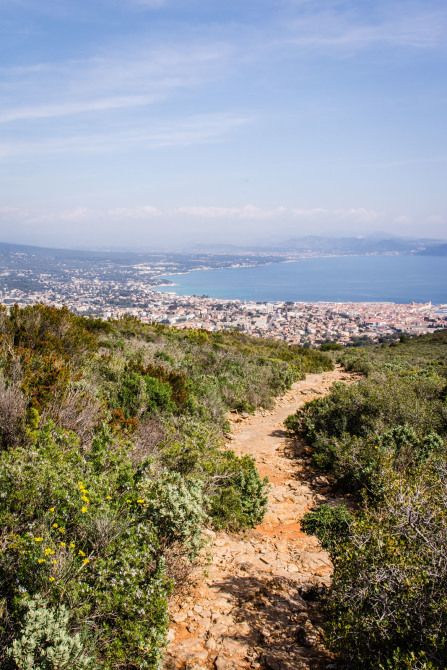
(399, 279)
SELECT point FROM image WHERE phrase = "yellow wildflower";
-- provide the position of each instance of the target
(83, 510)
(85, 561)
(62, 544)
(128, 501)
(61, 530)
(54, 525)
(51, 509)
(108, 497)
(72, 545)
(140, 501)
(81, 485)
(38, 539)
(47, 551)
(54, 562)
(81, 553)
(85, 499)
(41, 560)
(51, 579)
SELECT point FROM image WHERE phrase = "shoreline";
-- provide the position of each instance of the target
(306, 284)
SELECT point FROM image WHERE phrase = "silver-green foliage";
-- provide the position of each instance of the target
(45, 642)
(176, 507)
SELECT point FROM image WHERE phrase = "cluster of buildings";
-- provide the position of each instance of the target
(111, 295)
(109, 285)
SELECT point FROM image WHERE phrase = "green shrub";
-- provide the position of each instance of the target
(329, 524)
(241, 497)
(97, 494)
(46, 642)
(390, 578)
(175, 506)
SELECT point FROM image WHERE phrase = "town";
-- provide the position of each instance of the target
(110, 290)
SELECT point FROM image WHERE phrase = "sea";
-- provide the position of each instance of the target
(399, 279)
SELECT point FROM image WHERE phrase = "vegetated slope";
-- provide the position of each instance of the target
(384, 441)
(257, 605)
(111, 462)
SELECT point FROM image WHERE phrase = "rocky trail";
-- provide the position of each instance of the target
(256, 604)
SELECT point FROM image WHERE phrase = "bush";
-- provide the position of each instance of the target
(329, 524)
(175, 506)
(390, 578)
(241, 497)
(45, 641)
(110, 464)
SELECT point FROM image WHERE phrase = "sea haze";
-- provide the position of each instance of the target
(400, 279)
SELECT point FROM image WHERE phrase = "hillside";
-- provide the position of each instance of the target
(382, 443)
(112, 463)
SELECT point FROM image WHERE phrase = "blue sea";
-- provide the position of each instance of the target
(400, 279)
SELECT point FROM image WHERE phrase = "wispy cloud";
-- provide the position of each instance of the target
(72, 108)
(188, 131)
(246, 212)
(135, 78)
(350, 29)
(140, 212)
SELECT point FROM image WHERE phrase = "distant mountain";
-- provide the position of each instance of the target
(121, 257)
(314, 244)
(434, 250)
(352, 245)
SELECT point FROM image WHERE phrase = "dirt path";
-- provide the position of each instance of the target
(256, 608)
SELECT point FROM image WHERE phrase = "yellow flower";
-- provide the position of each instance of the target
(85, 561)
(140, 501)
(62, 544)
(38, 539)
(108, 497)
(81, 485)
(47, 551)
(81, 553)
(72, 545)
(51, 579)
(51, 509)
(54, 562)
(41, 560)
(128, 501)
(61, 530)
(54, 525)
(83, 510)
(85, 499)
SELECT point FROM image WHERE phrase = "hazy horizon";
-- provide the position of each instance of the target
(167, 123)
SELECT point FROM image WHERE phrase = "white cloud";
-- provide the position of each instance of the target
(306, 213)
(358, 214)
(142, 212)
(188, 131)
(397, 26)
(138, 76)
(68, 109)
(246, 212)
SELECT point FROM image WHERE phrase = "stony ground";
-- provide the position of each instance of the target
(256, 605)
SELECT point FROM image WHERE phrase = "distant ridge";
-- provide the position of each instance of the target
(435, 250)
(315, 244)
(310, 244)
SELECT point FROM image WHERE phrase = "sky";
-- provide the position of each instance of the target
(164, 123)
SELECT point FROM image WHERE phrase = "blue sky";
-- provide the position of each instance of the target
(157, 122)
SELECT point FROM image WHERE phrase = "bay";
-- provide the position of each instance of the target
(400, 279)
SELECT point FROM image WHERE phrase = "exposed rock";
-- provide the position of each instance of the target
(258, 606)
(224, 663)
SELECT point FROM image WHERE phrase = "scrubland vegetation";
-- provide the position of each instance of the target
(111, 463)
(384, 442)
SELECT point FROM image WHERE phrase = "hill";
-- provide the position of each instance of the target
(435, 250)
(111, 464)
(383, 442)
